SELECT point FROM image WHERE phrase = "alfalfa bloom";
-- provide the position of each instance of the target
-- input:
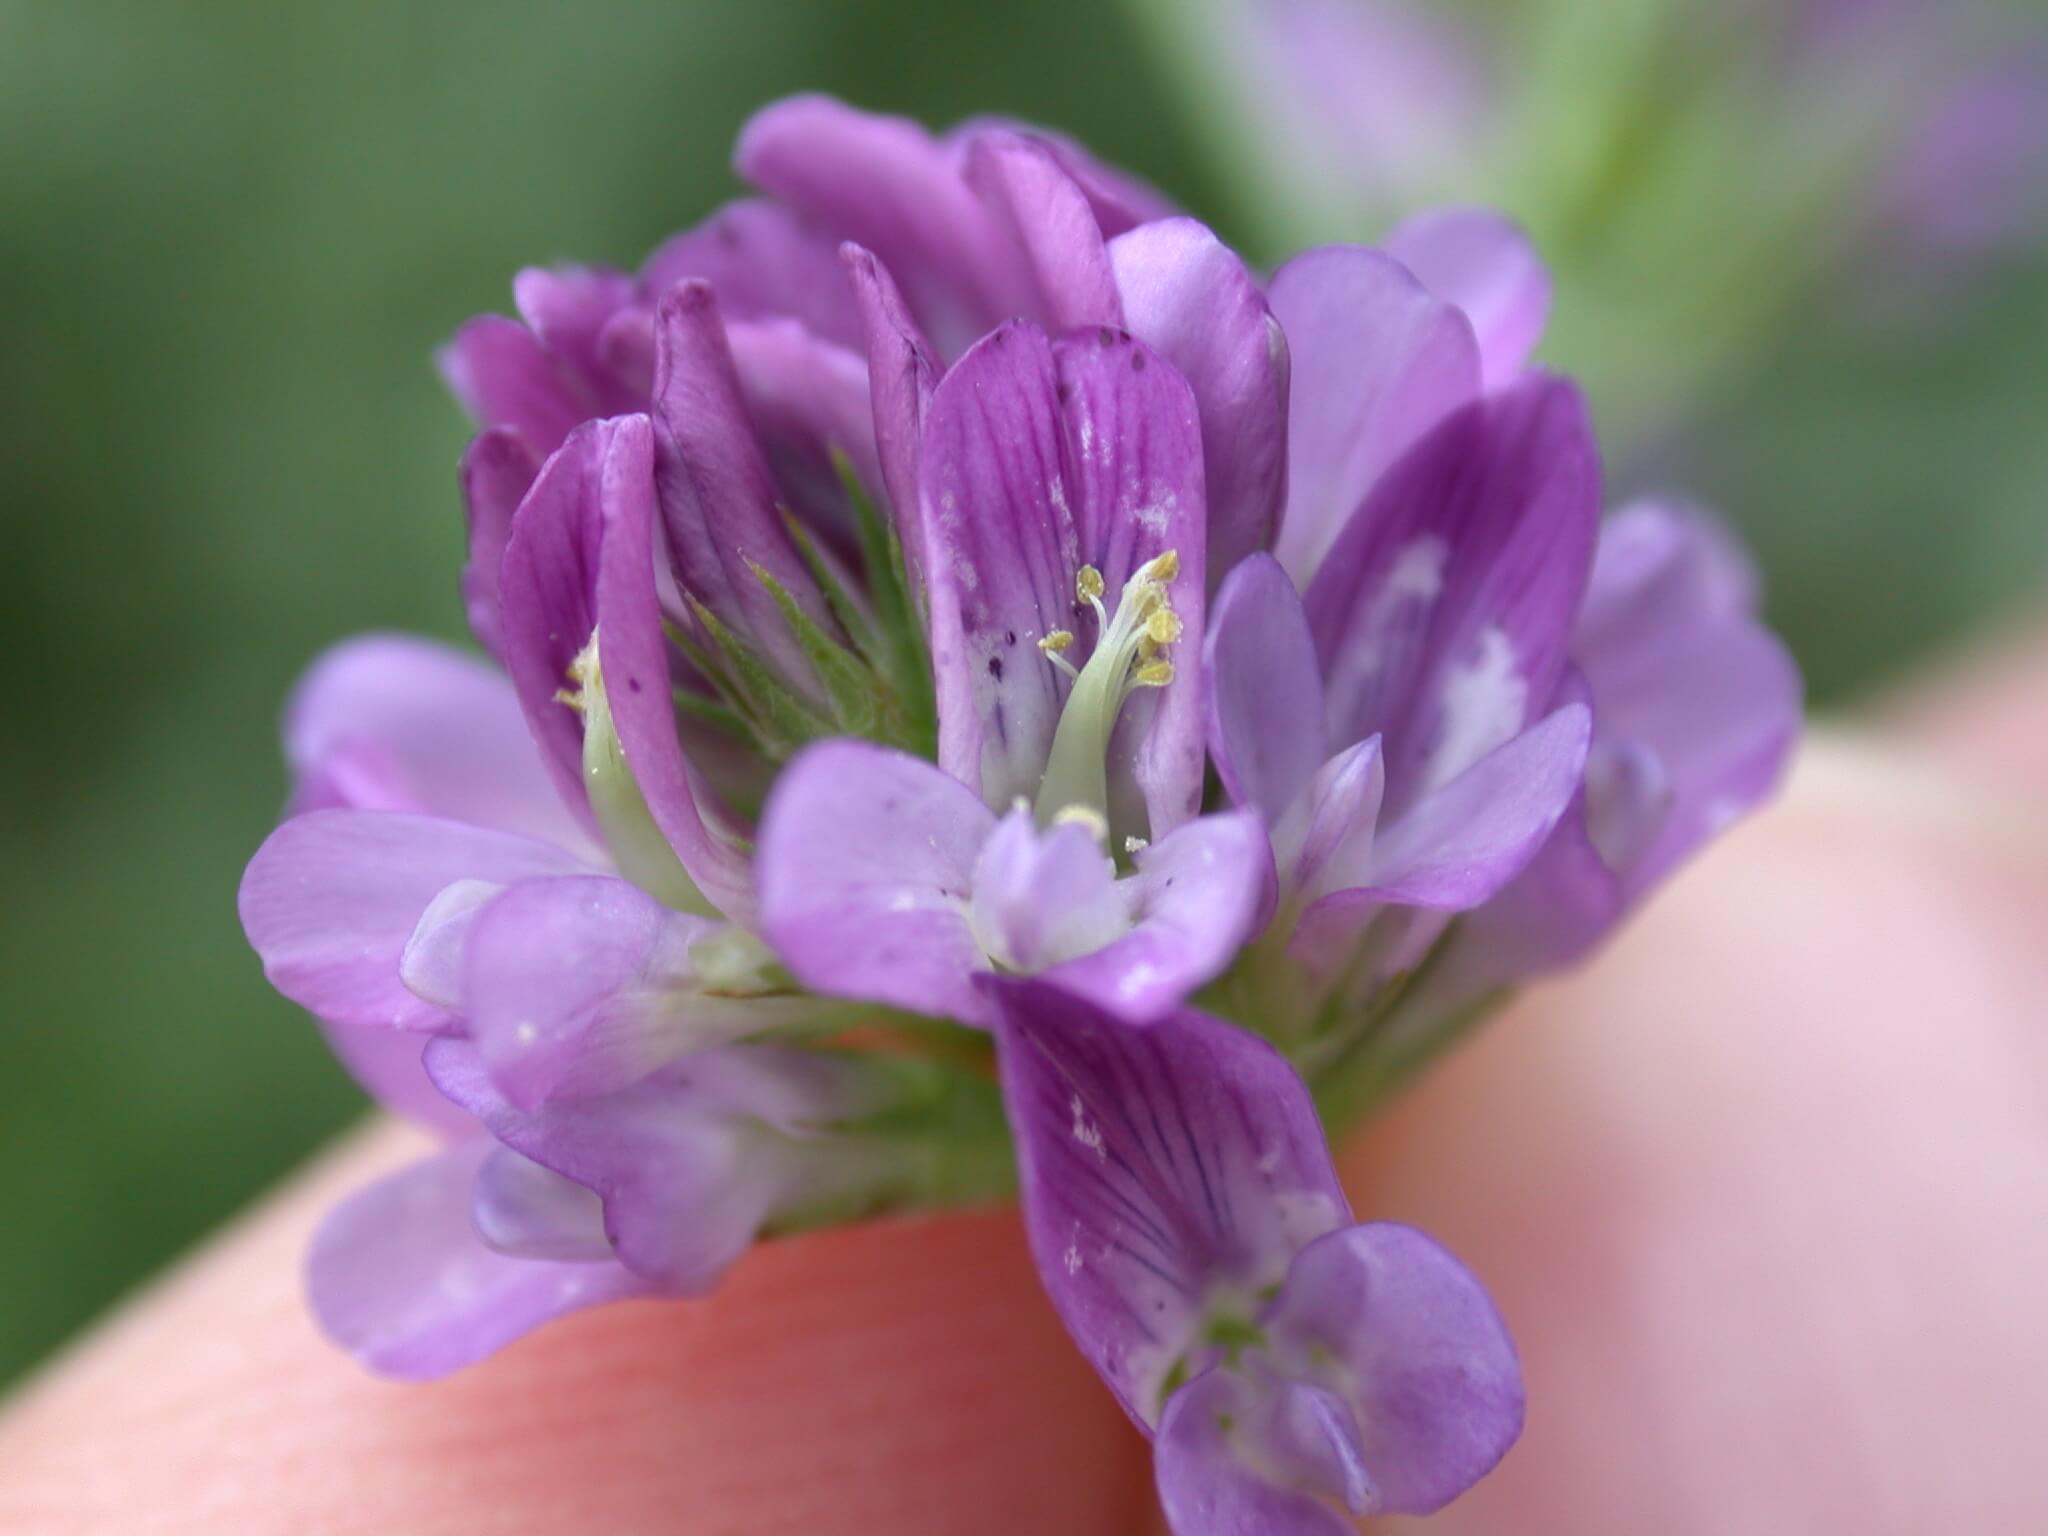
(872, 617)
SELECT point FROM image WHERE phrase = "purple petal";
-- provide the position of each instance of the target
(686, 1181)
(1460, 844)
(1326, 842)
(1442, 614)
(1376, 361)
(525, 1211)
(1207, 1483)
(762, 260)
(1402, 1331)
(387, 723)
(866, 862)
(1485, 264)
(1041, 899)
(1197, 896)
(331, 899)
(887, 184)
(497, 470)
(576, 986)
(568, 310)
(1187, 294)
(806, 397)
(505, 378)
(718, 498)
(1162, 1170)
(1002, 548)
(400, 1279)
(386, 1063)
(1042, 212)
(1119, 199)
(902, 372)
(1265, 701)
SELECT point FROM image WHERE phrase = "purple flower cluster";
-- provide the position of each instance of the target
(989, 688)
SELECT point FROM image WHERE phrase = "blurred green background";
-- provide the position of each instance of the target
(230, 235)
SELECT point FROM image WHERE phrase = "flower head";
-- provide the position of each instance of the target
(953, 619)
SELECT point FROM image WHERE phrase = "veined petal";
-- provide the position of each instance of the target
(1168, 1175)
(718, 497)
(1044, 213)
(332, 897)
(1002, 547)
(1485, 264)
(902, 372)
(1388, 1321)
(1376, 361)
(1265, 687)
(1196, 897)
(1190, 296)
(866, 865)
(581, 985)
(504, 377)
(390, 723)
(763, 260)
(401, 1280)
(497, 469)
(1442, 615)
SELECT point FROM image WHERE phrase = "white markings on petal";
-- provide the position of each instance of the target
(1485, 701)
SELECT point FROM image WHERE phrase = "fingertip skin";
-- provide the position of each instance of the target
(906, 1377)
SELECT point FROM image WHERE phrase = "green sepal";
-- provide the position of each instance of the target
(848, 681)
(903, 653)
(781, 721)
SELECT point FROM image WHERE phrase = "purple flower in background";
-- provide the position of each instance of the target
(952, 619)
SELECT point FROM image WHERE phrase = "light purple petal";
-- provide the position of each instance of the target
(1206, 1482)
(1162, 1170)
(386, 1062)
(1460, 844)
(1442, 615)
(568, 309)
(1196, 897)
(579, 986)
(806, 397)
(1120, 200)
(1392, 1323)
(1485, 264)
(1002, 547)
(763, 260)
(525, 1211)
(505, 378)
(1043, 212)
(718, 497)
(386, 722)
(1325, 843)
(685, 1178)
(902, 372)
(332, 897)
(1043, 898)
(1188, 295)
(866, 864)
(497, 469)
(1265, 685)
(400, 1279)
(1376, 361)
(889, 185)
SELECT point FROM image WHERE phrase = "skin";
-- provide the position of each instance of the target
(1763, 1193)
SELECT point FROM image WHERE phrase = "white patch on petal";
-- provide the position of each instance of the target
(1072, 1259)
(1484, 703)
(1085, 1132)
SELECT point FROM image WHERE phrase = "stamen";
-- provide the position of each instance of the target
(1050, 647)
(1083, 816)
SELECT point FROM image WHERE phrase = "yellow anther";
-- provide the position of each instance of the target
(1162, 626)
(1088, 584)
(1057, 640)
(1153, 674)
(1160, 568)
(1083, 816)
(573, 697)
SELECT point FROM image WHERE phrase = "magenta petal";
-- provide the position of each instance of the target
(1120, 200)
(1190, 296)
(388, 723)
(1265, 703)
(1423, 1358)
(1158, 1168)
(568, 309)
(902, 372)
(1443, 613)
(1376, 361)
(1047, 217)
(497, 469)
(331, 899)
(400, 1279)
(505, 378)
(806, 397)
(762, 260)
(1208, 1485)
(576, 986)
(1485, 264)
(1461, 843)
(718, 497)
(866, 865)
(1195, 899)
